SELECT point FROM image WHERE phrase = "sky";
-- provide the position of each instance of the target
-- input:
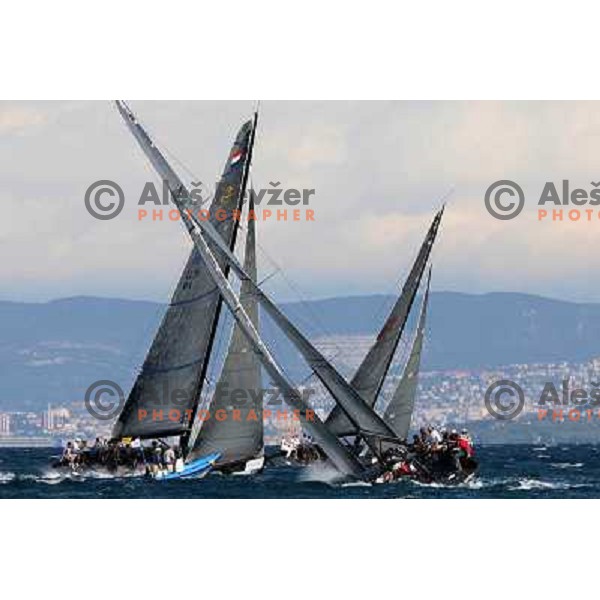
(379, 171)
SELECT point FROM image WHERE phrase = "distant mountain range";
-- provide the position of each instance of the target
(52, 351)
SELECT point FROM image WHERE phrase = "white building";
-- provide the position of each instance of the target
(4, 424)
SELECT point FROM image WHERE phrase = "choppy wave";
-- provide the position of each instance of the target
(471, 484)
(6, 477)
(538, 484)
(319, 472)
(506, 472)
(357, 484)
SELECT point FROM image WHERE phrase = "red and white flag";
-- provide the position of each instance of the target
(235, 157)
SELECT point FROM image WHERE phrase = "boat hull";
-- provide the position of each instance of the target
(196, 468)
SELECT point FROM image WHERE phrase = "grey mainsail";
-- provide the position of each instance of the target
(239, 439)
(371, 374)
(398, 413)
(164, 397)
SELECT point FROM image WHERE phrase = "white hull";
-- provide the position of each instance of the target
(252, 466)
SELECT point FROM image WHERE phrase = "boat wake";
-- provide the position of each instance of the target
(526, 485)
(10, 477)
(351, 484)
(6, 477)
(512, 484)
(53, 477)
(323, 472)
(474, 483)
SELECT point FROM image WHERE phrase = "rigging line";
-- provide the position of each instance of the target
(160, 142)
(310, 312)
(318, 324)
(194, 177)
(278, 269)
(188, 170)
(296, 289)
(267, 278)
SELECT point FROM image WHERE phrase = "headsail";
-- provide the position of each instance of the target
(175, 366)
(241, 439)
(399, 412)
(371, 374)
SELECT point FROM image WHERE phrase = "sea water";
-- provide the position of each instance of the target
(510, 471)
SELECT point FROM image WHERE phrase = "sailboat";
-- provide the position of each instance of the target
(217, 268)
(164, 399)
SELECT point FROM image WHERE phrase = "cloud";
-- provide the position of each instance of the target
(15, 119)
(379, 170)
